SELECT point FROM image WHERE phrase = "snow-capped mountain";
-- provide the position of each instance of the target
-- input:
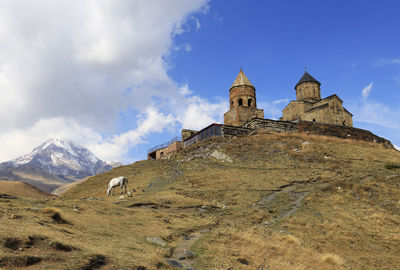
(63, 159)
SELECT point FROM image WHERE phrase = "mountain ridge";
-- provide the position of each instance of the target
(54, 163)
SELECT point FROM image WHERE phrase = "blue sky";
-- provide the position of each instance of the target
(123, 76)
(346, 45)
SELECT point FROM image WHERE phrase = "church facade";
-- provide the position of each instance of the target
(309, 106)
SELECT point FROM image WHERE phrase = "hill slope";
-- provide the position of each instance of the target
(34, 176)
(21, 189)
(271, 201)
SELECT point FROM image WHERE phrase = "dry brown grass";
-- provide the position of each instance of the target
(21, 189)
(258, 248)
(348, 217)
(332, 259)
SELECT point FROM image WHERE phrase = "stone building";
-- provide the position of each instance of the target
(308, 113)
(309, 106)
(243, 103)
(165, 149)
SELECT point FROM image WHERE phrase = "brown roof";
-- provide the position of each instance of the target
(241, 79)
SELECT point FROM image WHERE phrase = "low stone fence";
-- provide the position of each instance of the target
(218, 130)
(232, 131)
(316, 128)
(272, 125)
(342, 132)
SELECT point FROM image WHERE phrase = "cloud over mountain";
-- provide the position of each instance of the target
(74, 70)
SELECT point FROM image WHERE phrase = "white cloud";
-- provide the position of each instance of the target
(200, 113)
(188, 48)
(69, 69)
(273, 110)
(197, 21)
(397, 147)
(284, 100)
(377, 114)
(366, 90)
(386, 61)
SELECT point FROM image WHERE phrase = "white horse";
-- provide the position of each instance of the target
(118, 181)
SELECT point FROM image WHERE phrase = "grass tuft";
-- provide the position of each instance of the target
(62, 247)
(95, 261)
(332, 258)
(55, 215)
(291, 239)
(19, 260)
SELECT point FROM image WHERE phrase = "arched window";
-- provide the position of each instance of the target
(232, 102)
(240, 102)
(249, 102)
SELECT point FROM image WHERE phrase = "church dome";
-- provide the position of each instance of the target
(307, 78)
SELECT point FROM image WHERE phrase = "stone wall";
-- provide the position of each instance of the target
(318, 129)
(237, 116)
(160, 153)
(232, 131)
(309, 91)
(289, 127)
(329, 111)
(342, 132)
(186, 133)
(272, 125)
(243, 92)
(295, 110)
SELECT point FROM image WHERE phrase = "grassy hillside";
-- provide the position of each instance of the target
(36, 177)
(21, 189)
(266, 201)
(64, 188)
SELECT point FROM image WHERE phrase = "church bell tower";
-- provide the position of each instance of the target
(242, 102)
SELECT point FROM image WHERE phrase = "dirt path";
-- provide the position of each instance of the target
(183, 256)
(294, 204)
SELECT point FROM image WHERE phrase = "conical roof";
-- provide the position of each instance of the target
(241, 79)
(306, 78)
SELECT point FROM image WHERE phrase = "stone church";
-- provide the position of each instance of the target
(308, 105)
(308, 113)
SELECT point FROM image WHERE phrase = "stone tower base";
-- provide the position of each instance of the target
(237, 116)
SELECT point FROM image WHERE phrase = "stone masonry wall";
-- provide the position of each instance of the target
(232, 131)
(272, 125)
(342, 132)
(308, 91)
(237, 116)
(186, 133)
(243, 92)
(318, 129)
